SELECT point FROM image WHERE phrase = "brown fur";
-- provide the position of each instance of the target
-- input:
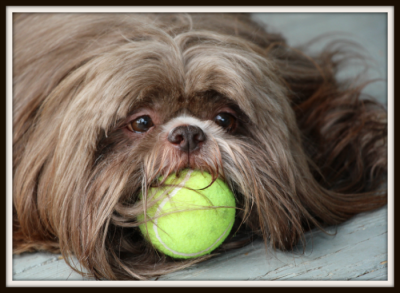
(308, 151)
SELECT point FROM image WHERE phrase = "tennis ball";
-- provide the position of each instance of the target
(189, 223)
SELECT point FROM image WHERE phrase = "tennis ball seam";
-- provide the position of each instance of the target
(164, 201)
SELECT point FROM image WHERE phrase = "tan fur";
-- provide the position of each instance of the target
(308, 151)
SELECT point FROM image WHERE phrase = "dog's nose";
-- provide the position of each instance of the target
(187, 137)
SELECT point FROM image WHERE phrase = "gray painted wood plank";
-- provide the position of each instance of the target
(358, 251)
(43, 266)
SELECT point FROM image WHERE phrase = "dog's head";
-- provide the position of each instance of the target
(105, 105)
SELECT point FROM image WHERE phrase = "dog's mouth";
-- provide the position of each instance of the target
(240, 235)
(189, 160)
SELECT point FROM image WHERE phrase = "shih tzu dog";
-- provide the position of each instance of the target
(104, 104)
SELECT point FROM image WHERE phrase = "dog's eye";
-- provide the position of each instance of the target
(141, 124)
(226, 121)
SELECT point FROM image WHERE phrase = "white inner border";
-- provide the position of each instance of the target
(253, 9)
(188, 9)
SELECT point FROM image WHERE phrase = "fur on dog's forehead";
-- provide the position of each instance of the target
(177, 73)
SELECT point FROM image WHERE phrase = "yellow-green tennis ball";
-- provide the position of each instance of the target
(189, 223)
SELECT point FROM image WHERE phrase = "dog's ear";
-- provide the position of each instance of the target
(335, 159)
(344, 131)
(319, 157)
(279, 190)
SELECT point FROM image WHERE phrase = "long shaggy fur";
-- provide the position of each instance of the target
(308, 151)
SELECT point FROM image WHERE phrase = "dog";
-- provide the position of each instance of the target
(105, 104)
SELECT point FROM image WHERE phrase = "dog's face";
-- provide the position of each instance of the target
(121, 101)
(179, 103)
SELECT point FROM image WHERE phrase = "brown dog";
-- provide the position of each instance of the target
(106, 103)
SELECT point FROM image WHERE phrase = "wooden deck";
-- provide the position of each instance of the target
(358, 251)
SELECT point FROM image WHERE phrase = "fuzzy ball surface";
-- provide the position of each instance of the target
(189, 219)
